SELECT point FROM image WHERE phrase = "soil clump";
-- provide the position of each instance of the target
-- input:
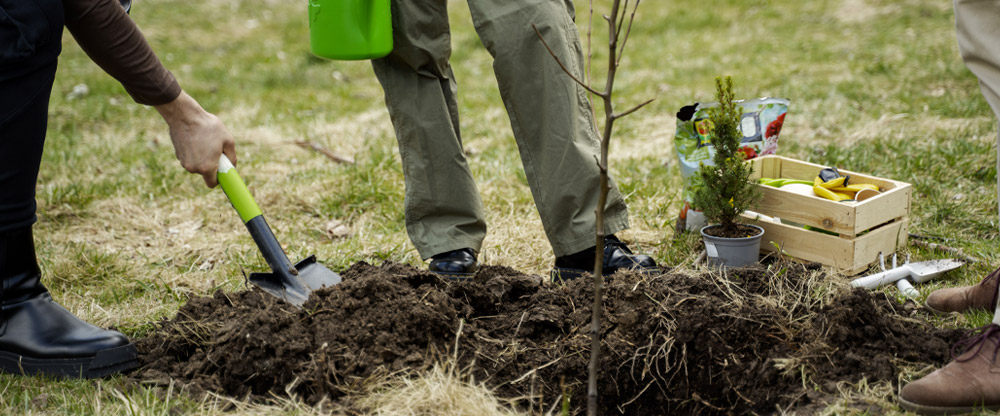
(683, 342)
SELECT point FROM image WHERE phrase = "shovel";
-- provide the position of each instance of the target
(918, 272)
(291, 283)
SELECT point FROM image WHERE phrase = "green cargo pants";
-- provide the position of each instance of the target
(548, 111)
(977, 25)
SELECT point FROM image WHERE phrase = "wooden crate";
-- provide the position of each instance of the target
(863, 229)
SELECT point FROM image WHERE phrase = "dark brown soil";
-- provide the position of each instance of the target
(736, 231)
(680, 343)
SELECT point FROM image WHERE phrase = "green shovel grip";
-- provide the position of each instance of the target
(237, 191)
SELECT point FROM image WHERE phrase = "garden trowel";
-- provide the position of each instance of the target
(291, 283)
(917, 272)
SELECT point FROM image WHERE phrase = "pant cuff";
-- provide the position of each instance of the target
(612, 225)
(456, 244)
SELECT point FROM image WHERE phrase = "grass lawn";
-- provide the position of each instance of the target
(124, 235)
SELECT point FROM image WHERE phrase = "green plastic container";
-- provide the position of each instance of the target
(350, 29)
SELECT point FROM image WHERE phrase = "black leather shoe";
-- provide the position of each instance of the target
(617, 256)
(38, 336)
(456, 264)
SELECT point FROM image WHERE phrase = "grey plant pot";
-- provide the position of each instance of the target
(732, 252)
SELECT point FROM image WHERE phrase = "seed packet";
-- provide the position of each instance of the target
(760, 124)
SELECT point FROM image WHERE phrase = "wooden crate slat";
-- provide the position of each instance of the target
(879, 224)
(885, 239)
(891, 205)
(806, 210)
(848, 256)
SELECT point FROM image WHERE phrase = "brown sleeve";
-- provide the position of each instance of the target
(112, 40)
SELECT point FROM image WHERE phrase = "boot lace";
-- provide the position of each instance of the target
(976, 338)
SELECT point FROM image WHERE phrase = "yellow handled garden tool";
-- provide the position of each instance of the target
(831, 185)
(291, 283)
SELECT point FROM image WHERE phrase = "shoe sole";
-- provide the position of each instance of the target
(971, 308)
(102, 364)
(940, 312)
(938, 410)
(563, 274)
(454, 275)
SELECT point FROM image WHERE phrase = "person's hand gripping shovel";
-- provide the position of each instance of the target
(291, 283)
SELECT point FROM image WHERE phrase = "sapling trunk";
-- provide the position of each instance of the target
(615, 24)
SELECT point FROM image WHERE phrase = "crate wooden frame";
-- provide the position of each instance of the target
(864, 229)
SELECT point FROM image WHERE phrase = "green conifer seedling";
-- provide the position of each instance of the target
(726, 188)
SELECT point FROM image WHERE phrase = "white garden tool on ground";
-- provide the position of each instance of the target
(906, 275)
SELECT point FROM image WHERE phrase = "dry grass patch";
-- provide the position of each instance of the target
(440, 391)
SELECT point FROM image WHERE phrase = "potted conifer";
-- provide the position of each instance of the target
(726, 188)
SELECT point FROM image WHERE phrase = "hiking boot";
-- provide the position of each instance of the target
(617, 256)
(961, 299)
(37, 335)
(455, 264)
(970, 382)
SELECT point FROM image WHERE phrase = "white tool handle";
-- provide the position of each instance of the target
(762, 217)
(880, 279)
(224, 164)
(907, 289)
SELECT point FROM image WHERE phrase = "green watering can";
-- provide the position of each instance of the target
(350, 29)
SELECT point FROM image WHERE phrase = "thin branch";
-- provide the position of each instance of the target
(621, 21)
(590, 51)
(601, 167)
(633, 109)
(929, 237)
(957, 252)
(566, 70)
(621, 51)
(590, 66)
(326, 152)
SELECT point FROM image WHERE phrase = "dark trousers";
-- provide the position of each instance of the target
(30, 42)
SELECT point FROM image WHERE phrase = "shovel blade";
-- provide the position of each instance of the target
(315, 275)
(295, 288)
(927, 270)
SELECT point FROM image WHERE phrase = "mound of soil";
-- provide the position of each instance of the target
(679, 343)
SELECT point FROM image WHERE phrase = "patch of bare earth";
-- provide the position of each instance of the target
(683, 342)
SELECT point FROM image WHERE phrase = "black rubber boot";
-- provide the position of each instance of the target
(37, 335)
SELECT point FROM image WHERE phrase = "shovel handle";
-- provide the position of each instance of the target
(907, 289)
(236, 190)
(878, 280)
(252, 217)
(263, 237)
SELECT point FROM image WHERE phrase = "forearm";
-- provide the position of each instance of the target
(112, 40)
(106, 33)
(182, 109)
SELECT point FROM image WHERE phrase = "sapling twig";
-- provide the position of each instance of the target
(590, 61)
(628, 31)
(561, 65)
(615, 23)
